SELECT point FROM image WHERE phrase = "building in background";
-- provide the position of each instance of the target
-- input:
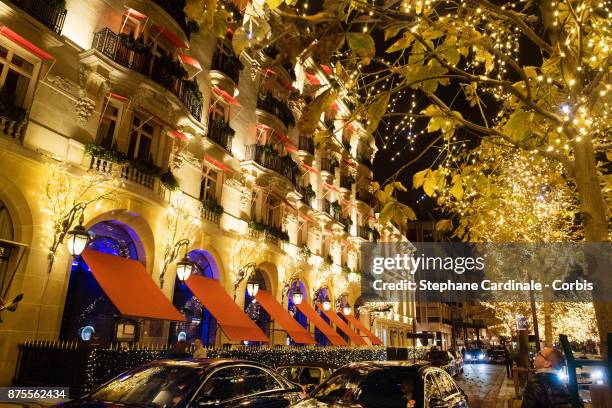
(200, 150)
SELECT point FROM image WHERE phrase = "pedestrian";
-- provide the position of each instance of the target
(198, 349)
(508, 362)
(179, 350)
(546, 389)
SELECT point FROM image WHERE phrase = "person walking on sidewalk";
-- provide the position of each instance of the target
(508, 362)
(545, 389)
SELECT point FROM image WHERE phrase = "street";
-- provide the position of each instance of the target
(486, 385)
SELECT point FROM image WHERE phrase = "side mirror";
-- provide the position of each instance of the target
(438, 403)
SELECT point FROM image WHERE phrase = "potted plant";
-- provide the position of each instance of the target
(336, 208)
(308, 193)
(169, 181)
(329, 260)
(305, 251)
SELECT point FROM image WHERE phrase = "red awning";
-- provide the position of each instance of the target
(330, 187)
(269, 71)
(341, 324)
(129, 287)
(217, 163)
(309, 168)
(359, 326)
(16, 38)
(289, 145)
(226, 96)
(179, 135)
(350, 163)
(170, 36)
(315, 319)
(235, 324)
(282, 317)
(327, 69)
(188, 60)
(306, 218)
(134, 13)
(117, 96)
(335, 106)
(312, 79)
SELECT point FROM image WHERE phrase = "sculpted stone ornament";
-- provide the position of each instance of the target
(84, 108)
(64, 84)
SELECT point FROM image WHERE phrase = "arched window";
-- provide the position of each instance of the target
(254, 310)
(88, 313)
(6, 225)
(199, 322)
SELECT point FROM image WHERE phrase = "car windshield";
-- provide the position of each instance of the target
(154, 386)
(497, 353)
(437, 356)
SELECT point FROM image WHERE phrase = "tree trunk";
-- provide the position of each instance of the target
(548, 334)
(594, 220)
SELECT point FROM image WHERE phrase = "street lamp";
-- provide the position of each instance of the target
(326, 303)
(77, 240)
(298, 296)
(347, 309)
(184, 268)
(252, 286)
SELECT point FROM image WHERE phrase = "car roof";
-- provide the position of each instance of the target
(309, 365)
(205, 362)
(417, 365)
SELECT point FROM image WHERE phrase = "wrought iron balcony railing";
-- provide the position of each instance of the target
(277, 108)
(44, 11)
(228, 64)
(269, 159)
(346, 182)
(221, 133)
(328, 165)
(306, 144)
(109, 43)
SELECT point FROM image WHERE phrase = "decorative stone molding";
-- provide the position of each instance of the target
(64, 84)
(84, 108)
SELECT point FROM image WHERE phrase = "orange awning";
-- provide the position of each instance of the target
(129, 287)
(312, 79)
(235, 324)
(282, 317)
(188, 60)
(130, 12)
(341, 324)
(358, 325)
(179, 135)
(315, 319)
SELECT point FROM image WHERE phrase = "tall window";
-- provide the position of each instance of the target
(208, 188)
(109, 124)
(16, 76)
(141, 139)
(272, 211)
(219, 110)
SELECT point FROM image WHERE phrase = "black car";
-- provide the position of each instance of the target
(475, 356)
(442, 359)
(497, 356)
(387, 384)
(194, 383)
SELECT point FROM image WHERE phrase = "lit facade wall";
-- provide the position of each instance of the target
(94, 93)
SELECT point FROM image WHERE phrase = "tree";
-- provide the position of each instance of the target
(537, 75)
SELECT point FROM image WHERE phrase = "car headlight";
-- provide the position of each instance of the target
(467, 356)
(481, 356)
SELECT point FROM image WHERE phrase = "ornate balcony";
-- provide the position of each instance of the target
(365, 232)
(137, 57)
(277, 108)
(44, 11)
(126, 171)
(266, 157)
(221, 133)
(328, 165)
(346, 182)
(11, 128)
(306, 144)
(230, 65)
(271, 233)
(308, 195)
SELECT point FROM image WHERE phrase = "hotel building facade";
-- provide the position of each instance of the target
(166, 145)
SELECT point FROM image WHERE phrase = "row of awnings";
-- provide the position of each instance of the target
(132, 291)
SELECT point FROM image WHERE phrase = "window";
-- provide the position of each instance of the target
(16, 76)
(109, 124)
(219, 109)
(273, 211)
(235, 382)
(390, 388)
(340, 388)
(141, 139)
(208, 187)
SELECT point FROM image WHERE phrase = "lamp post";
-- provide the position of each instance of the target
(346, 309)
(184, 269)
(252, 286)
(77, 240)
(326, 303)
(298, 296)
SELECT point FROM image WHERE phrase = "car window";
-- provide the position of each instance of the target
(340, 387)
(310, 376)
(291, 373)
(234, 382)
(161, 386)
(390, 388)
(439, 384)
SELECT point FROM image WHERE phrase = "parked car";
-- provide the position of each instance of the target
(458, 360)
(442, 359)
(202, 382)
(475, 356)
(387, 384)
(497, 356)
(307, 375)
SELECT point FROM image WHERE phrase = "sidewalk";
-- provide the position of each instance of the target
(487, 386)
